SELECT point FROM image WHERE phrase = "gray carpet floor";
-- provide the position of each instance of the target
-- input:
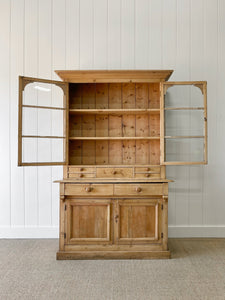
(29, 270)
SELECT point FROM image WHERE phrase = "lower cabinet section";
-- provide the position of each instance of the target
(132, 227)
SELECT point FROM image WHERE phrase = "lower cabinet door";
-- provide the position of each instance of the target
(89, 221)
(138, 221)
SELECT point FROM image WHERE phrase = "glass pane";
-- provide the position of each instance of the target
(42, 122)
(43, 94)
(184, 96)
(184, 122)
(184, 150)
(42, 150)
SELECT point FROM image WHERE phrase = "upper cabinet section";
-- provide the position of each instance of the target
(42, 129)
(104, 76)
(183, 123)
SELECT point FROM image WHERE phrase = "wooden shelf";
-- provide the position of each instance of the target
(114, 111)
(113, 138)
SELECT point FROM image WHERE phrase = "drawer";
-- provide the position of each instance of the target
(138, 189)
(114, 173)
(80, 169)
(147, 169)
(81, 175)
(147, 175)
(88, 189)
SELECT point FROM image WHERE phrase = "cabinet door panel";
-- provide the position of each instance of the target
(89, 221)
(183, 130)
(138, 221)
(43, 128)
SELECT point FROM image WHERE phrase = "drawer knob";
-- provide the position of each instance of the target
(81, 175)
(147, 175)
(148, 169)
(81, 169)
(139, 189)
(114, 172)
(88, 189)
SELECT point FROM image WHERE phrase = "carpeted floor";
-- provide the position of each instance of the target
(29, 270)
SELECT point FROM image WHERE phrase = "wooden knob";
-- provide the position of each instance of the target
(139, 189)
(81, 169)
(81, 175)
(114, 172)
(88, 189)
(148, 169)
(147, 175)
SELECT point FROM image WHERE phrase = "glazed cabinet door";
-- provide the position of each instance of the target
(137, 221)
(42, 128)
(88, 221)
(183, 123)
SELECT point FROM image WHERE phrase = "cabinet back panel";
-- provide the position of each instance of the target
(127, 152)
(114, 96)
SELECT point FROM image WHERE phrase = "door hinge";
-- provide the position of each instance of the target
(161, 235)
(64, 235)
(65, 207)
(161, 206)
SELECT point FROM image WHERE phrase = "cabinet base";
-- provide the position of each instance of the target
(70, 255)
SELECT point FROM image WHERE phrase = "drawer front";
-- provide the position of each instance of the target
(138, 189)
(147, 175)
(147, 169)
(81, 169)
(114, 173)
(88, 189)
(81, 175)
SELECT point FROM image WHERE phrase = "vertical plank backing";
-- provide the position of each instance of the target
(75, 125)
(153, 95)
(88, 95)
(88, 152)
(115, 124)
(154, 125)
(142, 95)
(102, 95)
(154, 152)
(114, 95)
(75, 151)
(128, 101)
(75, 90)
(88, 125)
(102, 152)
(142, 152)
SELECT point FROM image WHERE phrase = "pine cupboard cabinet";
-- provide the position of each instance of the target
(114, 132)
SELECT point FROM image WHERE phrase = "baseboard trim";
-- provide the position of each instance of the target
(29, 232)
(196, 231)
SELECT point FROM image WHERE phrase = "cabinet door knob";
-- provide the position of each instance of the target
(81, 175)
(139, 189)
(114, 172)
(88, 189)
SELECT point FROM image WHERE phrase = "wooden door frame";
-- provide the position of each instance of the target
(23, 81)
(202, 85)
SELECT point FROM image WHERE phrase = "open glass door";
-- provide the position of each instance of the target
(183, 128)
(43, 126)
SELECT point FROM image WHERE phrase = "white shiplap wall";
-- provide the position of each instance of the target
(40, 36)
